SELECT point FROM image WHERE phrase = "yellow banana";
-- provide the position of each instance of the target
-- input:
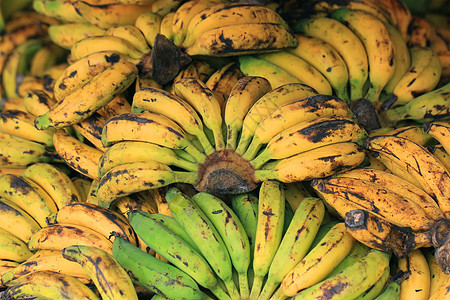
(443, 291)
(222, 81)
(59, 236)
(375, 289)
(81, 157)
(420, 163)
(25, 18)
(416, 284)
(37, 102)
(437, 275)
(132, 34)
(295, 193)
(269, 231)
(29, 83)
(109, 277)
(441, 154)
(309, 135)
(63, 11)
(105, 86)
(91, 129)
(66, 35)
(82, 184)
(117, 106)
(45, 58)
(440, 131)
(12, 248)
(165, 27)
(331, 64)
(290, 114)
(19, 153)
(414, 133)
(346, 43)
(5, 266)
(421, 32)
(246, 38)
(271, 100)
(149, 24)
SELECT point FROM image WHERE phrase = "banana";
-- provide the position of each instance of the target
(132, 34)
(309, 135)
(318, 263)
(59, 236)
(391, 291)
(358, 250)
(246, 38)
(252, 66)
(356, 278)
(233, 234)
(12, 248)
(173, 248)
(175, 108)
(243, 95)
(225, 14)
(52, 261)
(28, 83)
(271, 100)
(290, 114)
(100, 219)
(66, 35)
(112, 14)
(316, 163)
(5, 266)
(439, 130)
(17, 221)
(422, 76)
(19, 153)
(79, 156)
(245, 206)
(91, 129)
(400, 186)
(64, 11)
(376, 288)
(28, 197)
(130, 178)
(117, 106)
(417, 281)
(442, 292)
(348, 45)
(414, 133)
(199, 69)
(222, 81)
(148, 127)
(421, 32)
(109, 277)
(49, 285)
(45, 58)
(269, 231)
(37, 102)
(295, 193)
(203, 233)
(139, 201)
(437, 275)
(153, 274)
(165, 27)
(379, 234)
(441, 154)
(21, 124)
(149, 23)
(23, 18)
(295, 243)
(105, 86)
(420, 163)
(300, 68)
(82, 184)
(331, 64)
(134, 151)
(201, 98)
(424, 108)
(378, 200)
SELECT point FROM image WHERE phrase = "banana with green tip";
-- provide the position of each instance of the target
(331, 64)
(243, 95)
(309, 135)
(49, 285)
(356, 278)
(291, 114)
(204, 234)
(105, 87)
(375, 289)
(19, 153)
(316, 163)
(295, 243)
(37, 102)
(358, 250)
(66, 35)
(346, 43)
(165, 27)
(271, 101)
(81, 157)
(416, 284)
(391, 291)
(110, 278)
(377, 43)
(153, 274)
(233, 233)
(148, 127)
(13, 248)
(177, 109)
(64, 11)
(134, 177)
(202, 99)
(269, 231)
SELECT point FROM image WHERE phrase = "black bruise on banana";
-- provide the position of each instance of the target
(20, 185)
(5, 207)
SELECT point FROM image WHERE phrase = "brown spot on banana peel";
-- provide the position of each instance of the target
(20, 185)
(6, 208)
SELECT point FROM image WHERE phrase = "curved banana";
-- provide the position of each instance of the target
(66, 35)
(391, 291)
(437, 275)
(175, 108)
(377, 43)
(165, 27)
(271, 100)
(149, 23)
(19, 153)
(110, 278)
(442, 292)
(419, 162)
(309, 135)
(201, 98)
(295, 242)
(83, 185)
(243, 95)
(232, 231)
(63, 11)
(12, 248)
(439, 130)
(132, 34)
(245, 206)
(37, 102)
(290, 114)
(414, 133)
(269, 231)
(46, 58)
(346, 43)
(331, 64)
(91, 130)
(117, 106)
(245, 39)
(375, 289)
(441, 154)
(222, 81)
(417, 281)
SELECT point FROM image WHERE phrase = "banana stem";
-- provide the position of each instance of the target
(185, 177)
(262, 175)
(257, 286)
(198, 156)
(269, 288)
(232, 289)
(278, 295)
(243, 285)
(187, 165)
(261, 159)
(219, 292)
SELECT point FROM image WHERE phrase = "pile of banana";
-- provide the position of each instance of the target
(249, 172)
